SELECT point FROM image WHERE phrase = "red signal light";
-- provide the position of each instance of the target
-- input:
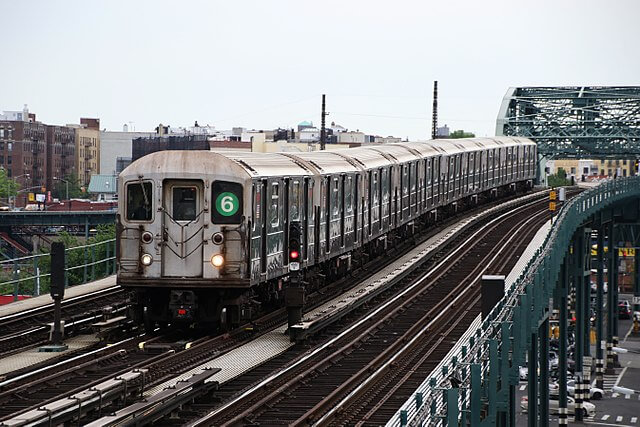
(294, 255)
(182, 311)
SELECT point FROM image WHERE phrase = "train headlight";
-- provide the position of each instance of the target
(217, 260)
(146, 259)
(146, 237)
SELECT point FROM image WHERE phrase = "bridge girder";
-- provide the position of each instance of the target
(574, 121)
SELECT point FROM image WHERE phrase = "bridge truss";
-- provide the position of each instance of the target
(573, 121)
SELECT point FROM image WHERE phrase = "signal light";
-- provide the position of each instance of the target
(294, 241)
(182, 311)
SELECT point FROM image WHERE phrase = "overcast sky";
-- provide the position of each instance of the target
(264, 64)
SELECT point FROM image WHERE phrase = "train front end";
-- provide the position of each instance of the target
(181, 233)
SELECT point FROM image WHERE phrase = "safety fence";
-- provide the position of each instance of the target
(30, 275)
(472, 384)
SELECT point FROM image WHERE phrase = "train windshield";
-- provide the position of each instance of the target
(184, 203)
(139, 201)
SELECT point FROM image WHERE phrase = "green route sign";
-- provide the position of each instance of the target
(227, 204)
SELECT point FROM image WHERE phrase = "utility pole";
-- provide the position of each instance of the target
(323, 132)
(434, 119)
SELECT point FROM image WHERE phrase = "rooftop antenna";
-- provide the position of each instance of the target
(434, 119)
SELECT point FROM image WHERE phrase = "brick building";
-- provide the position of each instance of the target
(23, 152)
(61, 150)
(34, 153)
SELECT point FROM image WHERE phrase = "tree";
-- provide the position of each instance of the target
(8, 187)
(461, 134)
(559, 179)
(60, 188)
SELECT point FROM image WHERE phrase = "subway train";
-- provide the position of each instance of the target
(214, 238)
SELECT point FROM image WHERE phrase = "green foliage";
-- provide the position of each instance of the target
(8, 187)
(75, 258)
(59, 190)
(558, 180)
(461, 134)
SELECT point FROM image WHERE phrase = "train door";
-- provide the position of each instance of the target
(285, 220)
(305, 219)
(370, 204)
(343, 208)
(327, 215)
(263, 231)
(380, 198)
(356, 204)
(428, 183)
(183, 221)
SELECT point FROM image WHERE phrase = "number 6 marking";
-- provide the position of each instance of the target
(227, 204)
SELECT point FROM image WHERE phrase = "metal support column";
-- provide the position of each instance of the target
(611, 314)
(562, 357)
(614, 306)
(578, 252)
(543, 336)
(636, 292)
(532, 377)
(585, 283)
(600, 341)
(86, 239)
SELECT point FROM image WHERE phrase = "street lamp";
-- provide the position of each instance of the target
(15, 177)
(66, 182)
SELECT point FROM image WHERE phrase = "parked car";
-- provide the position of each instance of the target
(595, 393)
(588, 409)
(523, 373)
(624, 310)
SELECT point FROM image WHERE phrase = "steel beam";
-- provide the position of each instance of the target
(582, 122)
(563, 283)
(600, 341)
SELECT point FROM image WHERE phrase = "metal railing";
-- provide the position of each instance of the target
(473, 380)
(30, 275)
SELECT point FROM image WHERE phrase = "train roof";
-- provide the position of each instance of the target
(365, 157)
(186, 163)
(397, 152)
(267, 164)
(327, 161)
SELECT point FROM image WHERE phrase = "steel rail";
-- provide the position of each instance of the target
(331, 409)
(462, 248)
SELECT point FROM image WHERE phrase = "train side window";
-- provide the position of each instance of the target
(139, 201)
(349, 194)
(274, 219)
(295, 201)
(335, 202)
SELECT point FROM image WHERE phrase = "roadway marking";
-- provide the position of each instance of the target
(628, 333)
(620, 376)
(619, 419)
(606, 424)
(522, 387)
(605, 417)
(614, 395)
(634, 420)
(627, 396)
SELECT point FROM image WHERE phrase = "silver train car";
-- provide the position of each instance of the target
(204, 237)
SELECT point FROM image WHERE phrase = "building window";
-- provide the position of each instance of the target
(573, 170)
(9, 160)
